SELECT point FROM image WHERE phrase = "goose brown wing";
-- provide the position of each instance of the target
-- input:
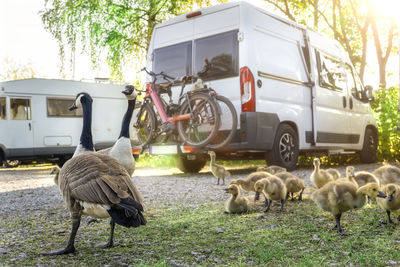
(98, 178)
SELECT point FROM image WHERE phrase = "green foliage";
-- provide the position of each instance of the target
(13, 70)
(385, 106)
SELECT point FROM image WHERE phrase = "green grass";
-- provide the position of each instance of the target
(204, 235)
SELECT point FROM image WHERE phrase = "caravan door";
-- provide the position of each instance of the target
(20, 131)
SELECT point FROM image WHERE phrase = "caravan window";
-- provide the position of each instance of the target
(58, 107)
(331, 74)
(216, 57)
(175, 60)
(3, 114)
(20, 109)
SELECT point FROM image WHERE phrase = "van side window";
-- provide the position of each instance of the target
(216, 57)
(58, 107)
(3, 114)
(331, 74)
(20, 109)
(354, 84)
(175, 60)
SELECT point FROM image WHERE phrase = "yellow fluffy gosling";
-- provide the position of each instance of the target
(273, 169)
(236, 203)
(293, 184)
(335, 173)
(248, 183)
(320, 177)
(273, 189)
(388, 174)
(55, 170)
(338, 197)
(363, 178)
(218, 171)
(392, 202)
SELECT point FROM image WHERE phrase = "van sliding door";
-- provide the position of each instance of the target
(20, 130)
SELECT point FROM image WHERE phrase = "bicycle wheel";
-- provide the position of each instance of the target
(145, 124)
(204, 121)
(227, 129)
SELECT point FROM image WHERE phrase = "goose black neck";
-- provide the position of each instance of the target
(86, 135)
(127, 119)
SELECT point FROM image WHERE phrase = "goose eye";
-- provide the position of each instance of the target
(374, 189)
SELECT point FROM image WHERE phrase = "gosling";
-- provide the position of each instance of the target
(364, 177)
(219, 172)
(248, 183)
(273, 189)
(273, 169)
(388, 174)
(320, 177)
(236, 203)
(340, 196)
(55, 170)
(392, 202)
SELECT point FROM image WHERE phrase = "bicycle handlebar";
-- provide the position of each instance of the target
(185, 79)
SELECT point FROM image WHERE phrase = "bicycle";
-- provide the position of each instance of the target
(195, 116)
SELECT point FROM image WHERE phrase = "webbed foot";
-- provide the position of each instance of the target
(66, 250)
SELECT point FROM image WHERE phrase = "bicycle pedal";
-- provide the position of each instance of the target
(168, 127)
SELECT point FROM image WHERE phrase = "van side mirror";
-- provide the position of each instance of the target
(369, 93)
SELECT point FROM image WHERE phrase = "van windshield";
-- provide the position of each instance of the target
(215, 57)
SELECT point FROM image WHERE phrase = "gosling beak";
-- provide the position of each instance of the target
(382, 195)
(71, 108)
(226, 190)
(390, 197)
(128, 90)
(352, 175)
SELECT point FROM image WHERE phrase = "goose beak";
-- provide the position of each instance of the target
(382, 195)
(390, 197)
(128, 90)
(71, 108)
(226, 190)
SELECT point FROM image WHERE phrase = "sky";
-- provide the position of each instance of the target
(25, 41)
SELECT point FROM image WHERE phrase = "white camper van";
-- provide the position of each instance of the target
(35, 121)
(295, 90)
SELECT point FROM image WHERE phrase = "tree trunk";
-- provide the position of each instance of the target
(315, 4)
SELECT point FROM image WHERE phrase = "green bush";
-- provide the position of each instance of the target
(385, 107)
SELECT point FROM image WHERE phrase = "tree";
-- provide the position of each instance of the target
(121, 28)
(13, 70)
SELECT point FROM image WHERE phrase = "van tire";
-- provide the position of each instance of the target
(285, 149)
(11, 163)
(189, 166)
(370, 145)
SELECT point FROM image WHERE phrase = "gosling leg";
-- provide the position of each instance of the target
(287, 195)
(339, 229)
(268, 205)
(282, 204)
(389, 219)
(292, 196)
(110, 241)
(301, 194)
(76, 221)
(257, 196)
(217, 181)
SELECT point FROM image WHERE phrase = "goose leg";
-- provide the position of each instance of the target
(339, 229)
(76, 221)
(110, 241)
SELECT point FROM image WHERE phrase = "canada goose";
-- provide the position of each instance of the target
(84, 101)
(99, 186)
(273, 188)
(273, 169)
(320, 177)
(248, 183)
(392, 202)
(236, 203)
(340, 196)
(218, 171)
(388, 174)
(293, 184)
(122, 149)
(335, 173)
(55, 170)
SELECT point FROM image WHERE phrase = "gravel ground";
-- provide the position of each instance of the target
(32, 190)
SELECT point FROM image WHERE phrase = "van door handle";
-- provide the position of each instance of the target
(30, 126)
(344, 102)
(351, 103)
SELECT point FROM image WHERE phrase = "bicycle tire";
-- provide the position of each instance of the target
(205, 115)
(145, 124)
(222, 139)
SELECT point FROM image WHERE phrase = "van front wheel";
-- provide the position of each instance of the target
(285, 150)
(368, 152)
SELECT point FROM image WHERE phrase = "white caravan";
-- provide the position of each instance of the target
(35, 121)
(295, 90)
